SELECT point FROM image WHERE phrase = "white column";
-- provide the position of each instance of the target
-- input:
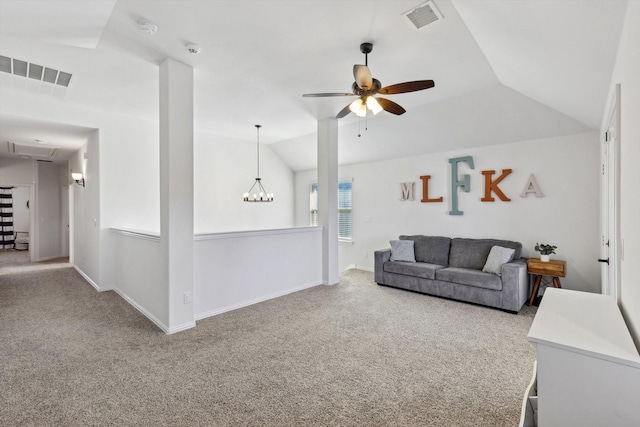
(176, 189)
(328, 198)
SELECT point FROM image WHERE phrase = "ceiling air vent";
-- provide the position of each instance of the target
(31, 150)
(424, 14)
(34, 71)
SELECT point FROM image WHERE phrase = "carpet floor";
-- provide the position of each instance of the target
(354, 354)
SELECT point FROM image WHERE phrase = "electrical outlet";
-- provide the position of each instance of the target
(366, 254)
(187, 297)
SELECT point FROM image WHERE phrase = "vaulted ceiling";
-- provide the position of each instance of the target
(505, 71)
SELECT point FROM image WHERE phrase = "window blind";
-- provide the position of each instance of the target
(345, 206)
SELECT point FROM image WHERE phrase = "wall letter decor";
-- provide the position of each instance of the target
(531, 187)
(406, 190)
(425, 190)
(465, 184)
(490, 186)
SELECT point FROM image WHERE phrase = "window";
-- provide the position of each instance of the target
(345, 205)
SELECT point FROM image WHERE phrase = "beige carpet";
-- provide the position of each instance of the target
(355, 354)
(12, 261)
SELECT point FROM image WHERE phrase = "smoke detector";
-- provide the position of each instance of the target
(146, 26)
(193, 48)
(424, 14)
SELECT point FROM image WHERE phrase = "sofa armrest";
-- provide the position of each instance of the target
(515, 284)
(380, 257)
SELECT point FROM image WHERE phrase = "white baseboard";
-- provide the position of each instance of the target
(242, 304)
(135, 305)
(138, 307)
(89, 280)
(180, 328)
(359, 267)
(167, 330)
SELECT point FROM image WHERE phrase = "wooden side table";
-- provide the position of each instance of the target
(554, 268)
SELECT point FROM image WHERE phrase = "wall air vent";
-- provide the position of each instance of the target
(424, 14)
(31, 150)
(34, 71)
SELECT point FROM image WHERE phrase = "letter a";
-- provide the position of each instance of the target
(531, 187)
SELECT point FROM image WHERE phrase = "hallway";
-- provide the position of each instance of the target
(12, 262)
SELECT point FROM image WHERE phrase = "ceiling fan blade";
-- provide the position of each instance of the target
(318, 95)
(407, 87)
(363, 76)
(390, 106)
(343, 112)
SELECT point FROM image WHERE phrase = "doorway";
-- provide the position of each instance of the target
(610, 201)
(16, 220)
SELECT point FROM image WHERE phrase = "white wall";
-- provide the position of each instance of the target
(626, 72)
(566, 169)
(224, 169)
(86, 212)
(16, 171)
(138, 274)
(233, 270)
(130, 173)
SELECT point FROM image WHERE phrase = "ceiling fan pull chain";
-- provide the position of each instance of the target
(359, 120)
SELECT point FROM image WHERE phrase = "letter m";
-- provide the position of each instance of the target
(406, 190)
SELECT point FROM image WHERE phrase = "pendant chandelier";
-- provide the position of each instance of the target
(260, 194)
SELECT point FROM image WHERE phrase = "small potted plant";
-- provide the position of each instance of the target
(545, 250)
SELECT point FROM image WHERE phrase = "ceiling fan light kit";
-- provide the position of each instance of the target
(365, 87)
(373, 105)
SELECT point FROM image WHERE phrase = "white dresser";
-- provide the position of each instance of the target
(588, 369)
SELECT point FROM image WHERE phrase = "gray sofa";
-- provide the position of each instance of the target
(452, 268)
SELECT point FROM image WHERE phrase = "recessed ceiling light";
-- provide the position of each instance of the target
(146, 26)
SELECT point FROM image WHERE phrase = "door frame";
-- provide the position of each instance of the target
(610, 200)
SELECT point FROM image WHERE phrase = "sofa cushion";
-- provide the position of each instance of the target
(402, 250)
(431, 249)
(473, 253)
(497, 257)
(417, 269)
(466, 276)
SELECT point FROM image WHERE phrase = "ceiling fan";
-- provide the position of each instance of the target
(365, 87)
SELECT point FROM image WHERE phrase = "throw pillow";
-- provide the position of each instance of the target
(402, 250)
(498, 256)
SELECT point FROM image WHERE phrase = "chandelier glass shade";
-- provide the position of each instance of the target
(257, 193)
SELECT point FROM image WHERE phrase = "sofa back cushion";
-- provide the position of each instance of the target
(432, 249)
(473, 253)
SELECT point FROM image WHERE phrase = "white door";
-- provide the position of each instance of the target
(609, 220)
(64, 217)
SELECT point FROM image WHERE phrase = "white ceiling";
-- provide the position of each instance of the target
(65, 138)
(504, 70)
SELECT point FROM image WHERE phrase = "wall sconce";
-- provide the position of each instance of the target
(78, 178)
